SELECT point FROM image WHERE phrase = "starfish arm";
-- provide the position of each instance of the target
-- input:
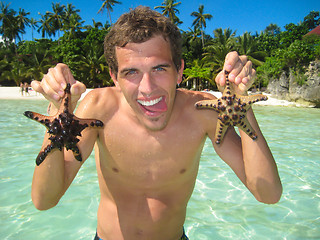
(43, 154)
(44, 120)
(66, 101)
(246, 127)
(208, 104)
(76, 153)
(252, 98)
(220, 131)
(89, 122)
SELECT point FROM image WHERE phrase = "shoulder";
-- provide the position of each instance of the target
(187, 100)
(190, 98)
(99, 102)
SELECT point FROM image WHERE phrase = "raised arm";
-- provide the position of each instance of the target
(251, 160)
(56, 170)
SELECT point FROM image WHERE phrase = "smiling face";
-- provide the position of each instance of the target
(147, 78)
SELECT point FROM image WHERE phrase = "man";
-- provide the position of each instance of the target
(147, 154)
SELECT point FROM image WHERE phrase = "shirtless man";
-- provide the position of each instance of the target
(147, 155)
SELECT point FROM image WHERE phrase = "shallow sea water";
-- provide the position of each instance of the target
(220, 207)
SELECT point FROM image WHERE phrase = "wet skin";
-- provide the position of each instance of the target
(147, 155)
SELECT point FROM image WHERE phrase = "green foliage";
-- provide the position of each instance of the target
(293, 32)
(298, 54)
(299, 77)
(271, 69)
(198, 73)
(169, 9)
(248, 46)
(69, 51)
(81, 47)
(267, 42)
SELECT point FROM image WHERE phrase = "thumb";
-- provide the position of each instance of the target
(221, 81)
(37, 86)
(77, 89)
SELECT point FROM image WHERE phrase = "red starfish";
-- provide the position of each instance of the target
(232, 110)
(64, 128)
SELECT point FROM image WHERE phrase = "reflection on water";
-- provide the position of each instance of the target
(220, 208)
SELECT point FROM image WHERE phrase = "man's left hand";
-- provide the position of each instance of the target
(240, 71)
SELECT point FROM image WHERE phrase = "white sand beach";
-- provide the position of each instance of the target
(270, 102)
(15, 93)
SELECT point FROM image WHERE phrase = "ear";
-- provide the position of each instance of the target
(114, 78)
(180, 72)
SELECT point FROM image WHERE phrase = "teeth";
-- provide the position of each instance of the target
(149, 103)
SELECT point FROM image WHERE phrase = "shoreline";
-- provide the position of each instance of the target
(15, 93)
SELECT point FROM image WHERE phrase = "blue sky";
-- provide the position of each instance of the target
(240, 15)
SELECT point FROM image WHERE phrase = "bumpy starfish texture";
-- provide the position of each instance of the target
(64, 128)
(232, 110)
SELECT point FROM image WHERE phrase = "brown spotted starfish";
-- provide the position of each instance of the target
(64, 128)
(231, 109)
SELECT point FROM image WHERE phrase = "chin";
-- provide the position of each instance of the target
(155, 124)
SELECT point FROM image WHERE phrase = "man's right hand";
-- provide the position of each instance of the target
(54, 82)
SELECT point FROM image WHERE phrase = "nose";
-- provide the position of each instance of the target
(147, 84)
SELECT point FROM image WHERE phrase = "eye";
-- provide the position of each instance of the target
(131, 72)
(159, 69)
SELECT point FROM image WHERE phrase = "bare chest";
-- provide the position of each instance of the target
(150, 157)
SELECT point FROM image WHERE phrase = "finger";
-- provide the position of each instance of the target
(61, 75)
(243, 59)
(56, 81)
(230, 60)
(234, 64)
(249, 80)
(220, 79)
(245, 75)
(48, 92)
(67, 74)
(42, 88)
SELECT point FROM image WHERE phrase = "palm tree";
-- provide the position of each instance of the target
(108, 4)
(45, 26)
(193, 34)
(200, 20)
(34, 25)
(217, 49)
(106, 26)
(22, 20)
(56, 18)
(73, 25)
(9, 26)
(96, 24)
(169, 9)
(16, 74)
(69, 10)
(272, 29)
(247, 45)
(94, 71)
(192, 46)
(39, 63)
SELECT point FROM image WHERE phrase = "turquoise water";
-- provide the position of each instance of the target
(220, 208)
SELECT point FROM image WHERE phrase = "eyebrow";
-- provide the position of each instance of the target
(164, 65)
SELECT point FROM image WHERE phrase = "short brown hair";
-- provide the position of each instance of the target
(137, 26)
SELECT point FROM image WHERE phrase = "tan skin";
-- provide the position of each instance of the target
(146, 173)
